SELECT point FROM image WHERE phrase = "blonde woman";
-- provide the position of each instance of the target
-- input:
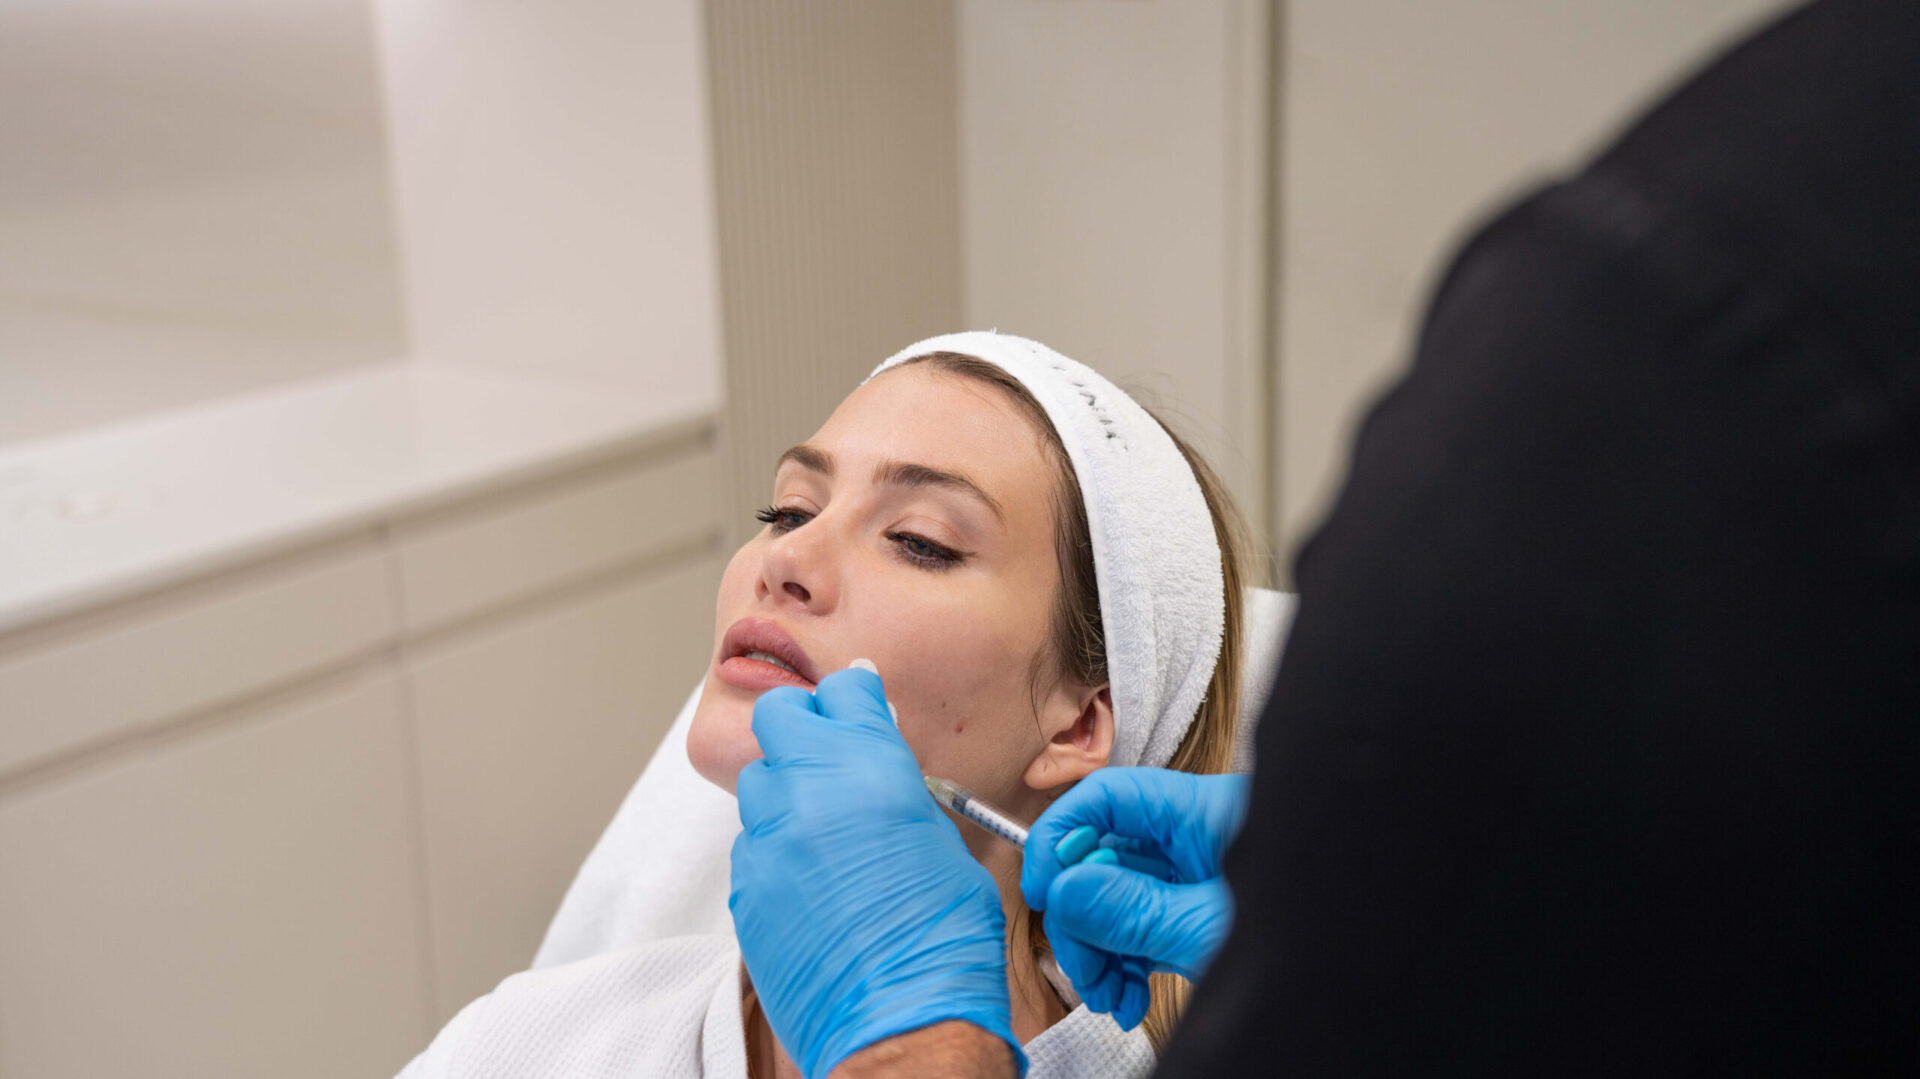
(938, 525)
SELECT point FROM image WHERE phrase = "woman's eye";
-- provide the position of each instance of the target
(917, 550)
(782, 521)
(923, 552)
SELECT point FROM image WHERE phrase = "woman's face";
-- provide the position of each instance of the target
(914, 529)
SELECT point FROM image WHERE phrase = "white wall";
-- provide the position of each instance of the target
(1405, 121)
(1113, 201)
(554, 187)
(193, 202)
(199, 199)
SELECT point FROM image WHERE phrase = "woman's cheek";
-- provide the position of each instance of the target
(911, 717)
(923, 735)
(720, 742)
(942, 737)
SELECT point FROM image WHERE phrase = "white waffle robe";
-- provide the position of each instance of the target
(671, 1008)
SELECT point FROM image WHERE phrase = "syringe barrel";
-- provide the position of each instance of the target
(967, 804)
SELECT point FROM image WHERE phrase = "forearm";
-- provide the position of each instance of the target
(954, 1048)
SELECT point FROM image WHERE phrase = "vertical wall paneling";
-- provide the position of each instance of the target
(1252, 209)
(1114, 189)
(835, 174)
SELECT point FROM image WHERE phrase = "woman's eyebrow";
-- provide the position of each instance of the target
(808, 457)
(908, 474)
(899, 474)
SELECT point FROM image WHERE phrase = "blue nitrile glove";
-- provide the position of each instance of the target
(860, 913)
(1163, 907)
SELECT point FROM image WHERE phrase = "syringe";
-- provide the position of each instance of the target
(967, 804)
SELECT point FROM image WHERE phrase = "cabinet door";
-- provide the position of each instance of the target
(531, 731)
(238, 900)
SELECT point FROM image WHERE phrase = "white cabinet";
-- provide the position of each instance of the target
(287, 817)
(457, 562)
(531, 730)
(240, 899)
(75, 684)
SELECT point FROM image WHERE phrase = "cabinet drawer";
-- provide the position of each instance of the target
(202, 647)
(242, 902)
(463, 561)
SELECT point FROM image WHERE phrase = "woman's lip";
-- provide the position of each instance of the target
(744, 673)
(763, 635)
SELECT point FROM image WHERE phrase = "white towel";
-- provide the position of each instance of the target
(671, 1008)
(660, 869)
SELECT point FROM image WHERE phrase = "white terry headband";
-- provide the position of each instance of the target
(1162, 595)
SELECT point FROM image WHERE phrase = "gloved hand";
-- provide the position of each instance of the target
(1163, 907)
(860, 913)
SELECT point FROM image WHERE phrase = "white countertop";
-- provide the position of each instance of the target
(98, 515)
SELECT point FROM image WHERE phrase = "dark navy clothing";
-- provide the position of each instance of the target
(1594, 749)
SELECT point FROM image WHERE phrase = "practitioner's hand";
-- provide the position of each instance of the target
(1163, 907)
(860, 913)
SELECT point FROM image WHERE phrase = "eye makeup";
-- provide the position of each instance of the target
(914, 549)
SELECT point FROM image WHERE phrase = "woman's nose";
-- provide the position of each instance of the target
(799, 568)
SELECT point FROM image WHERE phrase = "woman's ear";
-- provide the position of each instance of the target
(1080, 747)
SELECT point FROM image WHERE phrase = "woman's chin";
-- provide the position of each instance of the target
(720, 739)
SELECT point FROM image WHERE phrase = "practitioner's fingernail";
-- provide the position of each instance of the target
(867, 665)
(1077, 845)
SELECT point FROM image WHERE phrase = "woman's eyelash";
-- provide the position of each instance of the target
(780, 519)
(923, 552)
(916, 550)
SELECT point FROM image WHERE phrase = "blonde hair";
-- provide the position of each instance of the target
(1078, 648)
